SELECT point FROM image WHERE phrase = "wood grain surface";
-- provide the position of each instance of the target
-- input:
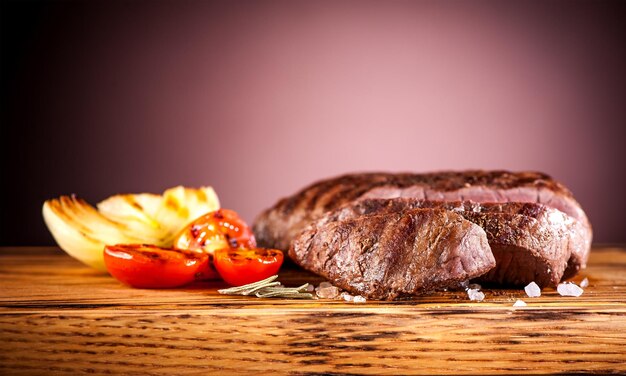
(59, 317)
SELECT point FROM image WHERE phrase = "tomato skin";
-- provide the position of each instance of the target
(148, 266)
(240, 266)
(215, 230)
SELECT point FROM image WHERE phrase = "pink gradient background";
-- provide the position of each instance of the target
(261, 99)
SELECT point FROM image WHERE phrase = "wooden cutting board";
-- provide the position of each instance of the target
(57, 316)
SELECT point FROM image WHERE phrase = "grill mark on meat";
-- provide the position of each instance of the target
(366, 246)
(342, 234)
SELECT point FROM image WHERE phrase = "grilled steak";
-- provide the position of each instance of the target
(530, 242)
(277, 226)
(398, 253)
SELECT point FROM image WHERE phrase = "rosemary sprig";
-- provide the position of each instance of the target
(269, 288)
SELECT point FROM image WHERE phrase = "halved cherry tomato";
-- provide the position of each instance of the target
(240, 266)
(216, 230)
(148, 266)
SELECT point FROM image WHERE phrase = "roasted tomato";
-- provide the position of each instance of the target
(240, 266)
(148, 266)
(216, 230)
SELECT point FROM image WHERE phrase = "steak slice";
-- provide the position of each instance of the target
(278, 225)
(393, 254)
(530, 242)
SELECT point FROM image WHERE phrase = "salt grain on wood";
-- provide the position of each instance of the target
(475, 295)
(327, 292)
(347, 297)
(325, 284)
(519, 303)
(569, 289)
(532, 290)
(584, 283)
(359, 299)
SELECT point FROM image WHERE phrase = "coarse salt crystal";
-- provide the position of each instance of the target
(359, 299)
(476, 295)
(584, 283)
(327, 292)
(325, 284)
(520, 303)
(310, 288)
(346, 296)
(569, 289)
(532, 290)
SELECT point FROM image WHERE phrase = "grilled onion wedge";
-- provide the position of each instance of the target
(82, 230)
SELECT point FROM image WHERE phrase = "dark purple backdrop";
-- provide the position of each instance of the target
(261, 98)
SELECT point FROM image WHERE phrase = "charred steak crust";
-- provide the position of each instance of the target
(277, 226)
(400, 253)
